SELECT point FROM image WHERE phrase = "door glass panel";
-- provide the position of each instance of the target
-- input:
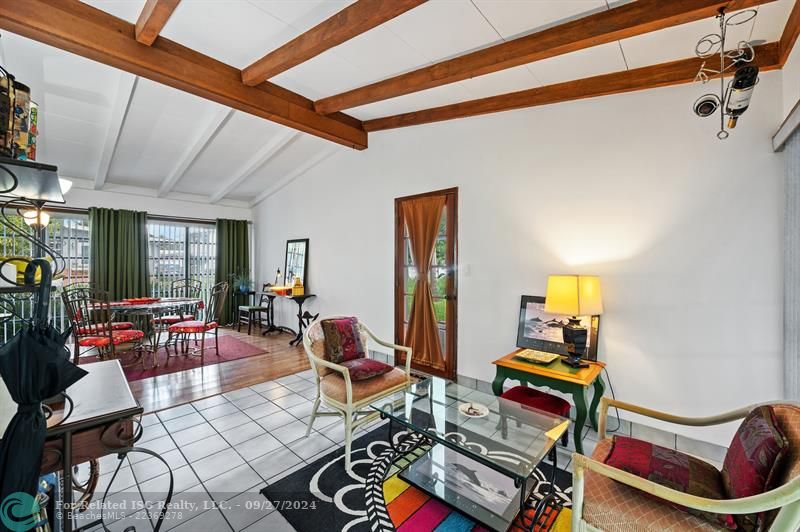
(439, 281)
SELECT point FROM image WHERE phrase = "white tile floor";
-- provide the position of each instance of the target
(222, 450)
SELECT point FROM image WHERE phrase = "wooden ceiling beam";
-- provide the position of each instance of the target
(628, 20)
(153, 18)
(650, 77)
(357, 18)
(83, 30)
(790, 33)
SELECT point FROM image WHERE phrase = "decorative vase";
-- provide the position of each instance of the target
(575, 336)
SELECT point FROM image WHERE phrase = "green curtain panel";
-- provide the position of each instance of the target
(233, 257)
(118, 252)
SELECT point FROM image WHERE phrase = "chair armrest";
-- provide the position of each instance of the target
(607, 402)
(334, 367)
(777, 498)
(390, 345)
(330, 365)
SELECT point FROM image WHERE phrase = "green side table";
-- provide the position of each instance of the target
(558, 376)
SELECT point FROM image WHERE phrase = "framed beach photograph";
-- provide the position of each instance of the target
(475, 489)
(542, 331)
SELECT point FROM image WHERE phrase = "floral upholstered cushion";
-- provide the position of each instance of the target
(612, 505)
(365, 368)
(94, 341)
(117, 337)
(100, 327)
(192, 326)
(672, 469)
(753, 461)
(342, 340)
(174, 318)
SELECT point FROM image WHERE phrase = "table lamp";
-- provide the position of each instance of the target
(575, 296)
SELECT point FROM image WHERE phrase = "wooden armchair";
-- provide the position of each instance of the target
(348, 398)
(607, 498)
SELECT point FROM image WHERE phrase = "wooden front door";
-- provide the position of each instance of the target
(442, 281)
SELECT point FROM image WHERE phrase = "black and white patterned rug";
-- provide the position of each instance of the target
(323, 495)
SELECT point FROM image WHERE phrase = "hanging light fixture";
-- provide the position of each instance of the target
(36, 218)
(64, 184)
(734, 94)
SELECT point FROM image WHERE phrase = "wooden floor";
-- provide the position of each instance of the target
(280, 359)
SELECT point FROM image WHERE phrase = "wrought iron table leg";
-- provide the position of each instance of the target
(155, 338)
(548, 499)
(161, 514)
(304, 319)
(299, 337)
(523, 485)
(271, 319)
(66, 480)
(122, 453)
(390, 425)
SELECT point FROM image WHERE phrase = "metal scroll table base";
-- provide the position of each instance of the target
(304, 318)
(540, 507)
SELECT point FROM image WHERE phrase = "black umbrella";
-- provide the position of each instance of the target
(35, 366)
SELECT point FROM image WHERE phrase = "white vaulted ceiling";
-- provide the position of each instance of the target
(117, 130)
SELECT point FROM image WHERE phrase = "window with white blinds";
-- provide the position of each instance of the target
(68, 235)
(177, 251)
(181, 251)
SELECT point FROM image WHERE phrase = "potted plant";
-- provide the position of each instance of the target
(241, 282)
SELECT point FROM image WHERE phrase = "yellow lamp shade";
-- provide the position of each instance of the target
(573, 295)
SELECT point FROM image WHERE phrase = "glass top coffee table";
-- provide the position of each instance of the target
(473, 465)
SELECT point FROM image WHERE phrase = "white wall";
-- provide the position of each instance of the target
(791, 81)
(83, 196)
(684, 230)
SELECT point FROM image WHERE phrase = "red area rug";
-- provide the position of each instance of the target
(230, 348)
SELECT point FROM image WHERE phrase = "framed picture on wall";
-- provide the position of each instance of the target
(542, 331)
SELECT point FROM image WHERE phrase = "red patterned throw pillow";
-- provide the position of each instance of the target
(362, 369)
(342, 340)
(672, 469)
(753, 460)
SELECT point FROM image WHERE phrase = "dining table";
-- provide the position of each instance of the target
(145, 311)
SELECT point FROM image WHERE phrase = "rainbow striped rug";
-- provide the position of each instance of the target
(374, 498)
(411, 509)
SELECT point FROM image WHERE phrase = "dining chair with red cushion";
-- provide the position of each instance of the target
(92, 324)
(101, 327)
(182, 288)
(213, 309)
